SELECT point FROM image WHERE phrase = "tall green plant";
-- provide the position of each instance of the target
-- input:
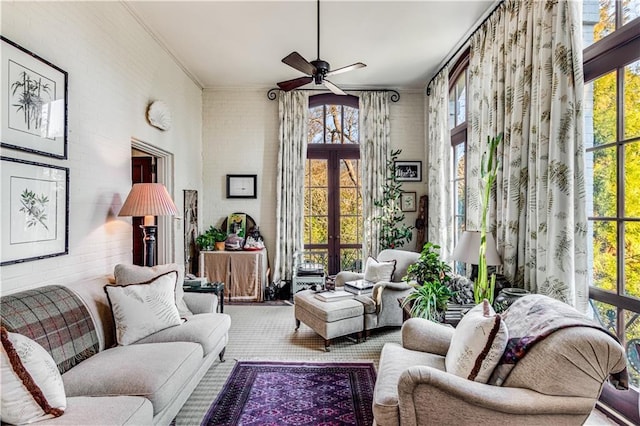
(393, 231)
(485, 287)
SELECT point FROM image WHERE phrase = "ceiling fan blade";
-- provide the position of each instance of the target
(295, 60)
(295, 83)
(347, 68)
(335, 89)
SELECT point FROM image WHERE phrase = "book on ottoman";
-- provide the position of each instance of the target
(358, 291)
(360, 284)
(333, 296)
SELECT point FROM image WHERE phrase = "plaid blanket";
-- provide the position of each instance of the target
(56, 319)
(529, 321)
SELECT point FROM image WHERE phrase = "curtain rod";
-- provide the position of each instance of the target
(395, 95)
(463, 45)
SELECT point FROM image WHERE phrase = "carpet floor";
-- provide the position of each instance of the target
(295, 393)
(267, 333)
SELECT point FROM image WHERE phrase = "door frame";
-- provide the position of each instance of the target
(165, 239)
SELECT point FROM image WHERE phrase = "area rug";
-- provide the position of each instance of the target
(295, 393)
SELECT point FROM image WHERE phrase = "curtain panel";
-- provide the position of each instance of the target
(525, 81)
(440, 167)
(293, 110)
(374, 153)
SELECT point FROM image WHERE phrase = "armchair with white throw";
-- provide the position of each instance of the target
(381, 307)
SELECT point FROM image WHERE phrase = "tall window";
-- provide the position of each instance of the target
(458, 127)
(612, 141)
(333, 197)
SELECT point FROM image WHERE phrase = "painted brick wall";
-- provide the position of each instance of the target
(115, 70)
(240, 136)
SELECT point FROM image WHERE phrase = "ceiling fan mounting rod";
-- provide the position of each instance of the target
(318, 57)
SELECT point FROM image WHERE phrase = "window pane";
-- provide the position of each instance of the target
(630, 11)
(632, 259)
(318, 230)
(459, 160)
(632, 180)
(604, 254)
(461, 101)
(607, 316)
(460, 198)
(348, 201)
(601, 110)
(601, 176)
(349, 173)
(632, 344)
(318, 173)
(599, 19)
(333, 123)
(318, 204)
(351, 125)
(632, 100)
(348, 230)
(350, 260)
(316, 124)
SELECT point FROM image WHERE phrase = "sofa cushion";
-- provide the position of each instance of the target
(32, 388)
(143, 309)
(394, 360)
(375, 271)
(156, 371)
(55, 318)
(477, 344)
(131, 274)
(107, 410)
(205, 329)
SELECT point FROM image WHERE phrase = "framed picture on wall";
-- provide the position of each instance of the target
(408, 202)
(35, 211)
(34, 101)
(242, 186)
(408, 171)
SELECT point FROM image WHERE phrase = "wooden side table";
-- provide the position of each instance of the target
(216, 288)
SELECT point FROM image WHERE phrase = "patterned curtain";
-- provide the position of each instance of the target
(374, 152)
(440, 228)
(293, 108)
(525, 80)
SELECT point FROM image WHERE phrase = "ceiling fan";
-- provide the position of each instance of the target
(317, 70)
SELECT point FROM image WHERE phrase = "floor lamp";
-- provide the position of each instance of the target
(148, 200)
(468, 251)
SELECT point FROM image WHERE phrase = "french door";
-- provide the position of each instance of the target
(333, 207)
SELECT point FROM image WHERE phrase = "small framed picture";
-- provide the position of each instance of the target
(242, 186)
(34, 100)
(35, 211)
(408, 202)
(408, 171)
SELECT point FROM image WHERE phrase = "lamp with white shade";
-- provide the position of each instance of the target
(148, 200)
(468, 249)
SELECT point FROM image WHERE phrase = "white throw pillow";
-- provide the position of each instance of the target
(375, 271)
(477, 344)
(140, 310)
(133, 274)
(32, 388)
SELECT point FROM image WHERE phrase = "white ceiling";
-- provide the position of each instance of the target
(240, 44)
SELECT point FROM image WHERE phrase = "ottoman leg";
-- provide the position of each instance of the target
(297, 324)
(327, 343)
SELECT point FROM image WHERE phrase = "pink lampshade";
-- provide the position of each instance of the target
(148, 199)
(468, 248)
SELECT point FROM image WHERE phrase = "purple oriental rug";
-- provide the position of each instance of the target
(295, 393)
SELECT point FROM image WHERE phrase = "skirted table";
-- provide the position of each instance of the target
(243, 272)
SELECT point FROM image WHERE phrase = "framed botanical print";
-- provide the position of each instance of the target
(34, 102)
(35, 211)
(408, 202)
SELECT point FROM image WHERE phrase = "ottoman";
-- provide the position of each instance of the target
(328, 319)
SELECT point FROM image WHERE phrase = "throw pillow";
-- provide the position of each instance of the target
(140, 310)
(375, 271)
(132, 274)
(477, 344)
(32, 388)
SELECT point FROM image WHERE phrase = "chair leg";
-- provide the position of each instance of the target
(221, 355)
(327, 343)
(297, 324)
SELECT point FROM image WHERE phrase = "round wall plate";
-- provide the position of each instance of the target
(159, 115)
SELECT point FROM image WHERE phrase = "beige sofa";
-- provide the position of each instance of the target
(139, 384)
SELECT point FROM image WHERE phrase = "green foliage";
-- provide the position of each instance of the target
(34, 207)
(429, 300)
(484, 287)
(394, 232)
(211, 236)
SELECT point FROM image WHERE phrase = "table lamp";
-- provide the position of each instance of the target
(468, 248)
(148, 200)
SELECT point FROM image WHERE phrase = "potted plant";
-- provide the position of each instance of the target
(429, 276)
(212, 237)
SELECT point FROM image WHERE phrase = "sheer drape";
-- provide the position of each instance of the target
(525, 79)
(293, 109)
(374, 152)
(440, 170)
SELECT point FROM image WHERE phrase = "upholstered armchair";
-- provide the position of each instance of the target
(557, 382)
(381, 308)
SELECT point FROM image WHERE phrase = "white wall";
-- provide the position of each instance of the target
(115, 70)
(240, 136)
